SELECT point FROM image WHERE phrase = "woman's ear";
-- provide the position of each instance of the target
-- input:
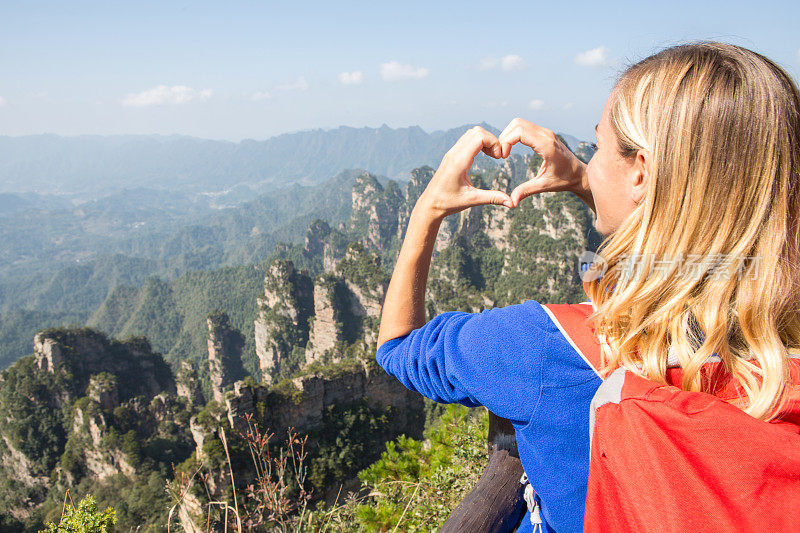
(641, 174)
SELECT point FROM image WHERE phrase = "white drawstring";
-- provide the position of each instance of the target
(533, 506)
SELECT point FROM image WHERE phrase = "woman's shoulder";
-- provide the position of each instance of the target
(531, 313)
(553, 330)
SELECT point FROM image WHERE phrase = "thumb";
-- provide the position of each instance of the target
(528, 188)
(484, 197)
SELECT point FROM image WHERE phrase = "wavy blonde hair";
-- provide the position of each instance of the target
(709, 261)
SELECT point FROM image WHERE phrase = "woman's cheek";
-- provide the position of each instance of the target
(590, 176)
(596, 188)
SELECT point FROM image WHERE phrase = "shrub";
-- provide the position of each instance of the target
(83, 519)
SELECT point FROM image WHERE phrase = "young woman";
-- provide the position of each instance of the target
(698, 156)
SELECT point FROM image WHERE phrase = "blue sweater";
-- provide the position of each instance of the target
(516, 362)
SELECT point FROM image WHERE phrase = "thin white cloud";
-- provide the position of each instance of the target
(536, 104)
(259, 96)
(593, 58)
(488, 63)
(798, 55)
(163, 95)
(3, 101)
(297, 85)
(395, 71)
(351, 78)
(567, 106)
(508, 63)
(300, 84)
(512, 62)
(493, 105)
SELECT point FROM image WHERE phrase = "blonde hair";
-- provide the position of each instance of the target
(722, 127)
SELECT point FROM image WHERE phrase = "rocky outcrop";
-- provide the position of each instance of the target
(20, 468)
(55, 428)
(584, 151)
(224, 354)
(87, 352)
(188, 383)
(301, 403)
(414, 188)
(102, 390)
(347, 304)
(282, 323)
(89, 427)
(497, 220)
(374, 211)
(48, 352)
(327, 328)
(316, 239)
(189, 510)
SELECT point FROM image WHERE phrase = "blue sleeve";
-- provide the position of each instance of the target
(493, 358)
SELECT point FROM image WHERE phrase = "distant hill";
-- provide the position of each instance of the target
(91, 166)
(14, 203)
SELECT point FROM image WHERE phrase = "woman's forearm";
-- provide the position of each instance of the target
(404, 305)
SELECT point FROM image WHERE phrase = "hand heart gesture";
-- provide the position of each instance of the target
(450, 190)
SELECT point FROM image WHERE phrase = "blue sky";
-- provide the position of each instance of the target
(234, 70)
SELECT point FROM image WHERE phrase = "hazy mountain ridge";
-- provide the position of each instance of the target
(92, 166)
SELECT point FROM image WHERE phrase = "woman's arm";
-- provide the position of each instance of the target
(449, 191)
(404, 306)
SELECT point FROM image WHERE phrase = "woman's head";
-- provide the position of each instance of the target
(706, 140)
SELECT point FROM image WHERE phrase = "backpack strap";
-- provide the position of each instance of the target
(571, 320)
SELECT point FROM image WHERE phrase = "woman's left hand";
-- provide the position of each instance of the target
(450, 189)
(561, 169)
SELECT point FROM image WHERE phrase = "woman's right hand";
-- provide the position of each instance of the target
(561, 170)
(450, 190)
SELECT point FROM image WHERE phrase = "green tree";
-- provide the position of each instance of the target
(84, 519)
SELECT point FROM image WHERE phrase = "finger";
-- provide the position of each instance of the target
(473, 142)
(531, 187)
(489, 143)
(541, 140)
(501, 138)
(505, 136)
(515, 123)
(483, 197)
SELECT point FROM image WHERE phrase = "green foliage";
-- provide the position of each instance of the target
(352, 360)
(362, 267)
(84, 519)
(210, 415)
(431, 479)
(173, 314)
(34, 420)
(285, 391)
(349, 440)
(415, 485)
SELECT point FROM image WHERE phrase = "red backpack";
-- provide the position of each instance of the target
(664, 459)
